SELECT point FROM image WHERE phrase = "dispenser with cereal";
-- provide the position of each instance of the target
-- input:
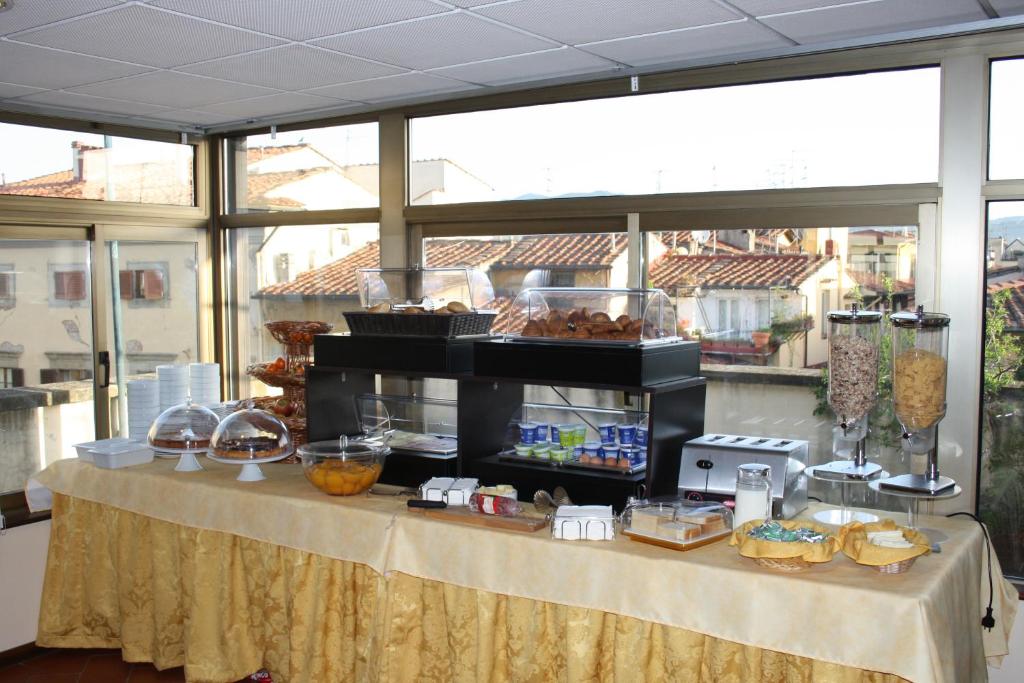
(919, 370)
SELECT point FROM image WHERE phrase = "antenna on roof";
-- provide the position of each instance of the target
(273, 132)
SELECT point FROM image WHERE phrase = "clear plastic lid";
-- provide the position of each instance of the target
(677, 522)
(343, 448)
(251, 434)
(577, 314)
(429, 288)
(920, 347)
(187, 427)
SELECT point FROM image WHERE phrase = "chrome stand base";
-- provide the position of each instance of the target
(917, 483)
(840, 470)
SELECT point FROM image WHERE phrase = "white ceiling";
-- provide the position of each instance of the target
(200, 64)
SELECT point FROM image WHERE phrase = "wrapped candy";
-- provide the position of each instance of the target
(773, 531)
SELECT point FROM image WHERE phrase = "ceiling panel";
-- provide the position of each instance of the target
(436, 41)
(584, 21)
(563, 61)
(760, 8)
(403, 85)
(272, 105)
(172, 89)
(1007, 8)
(70, 100)
(474, 3)
(889, 16)
(12, 90)
(689, 44)
(187, 117)
(25, 14)
(294, 67)
(43, 68)
(304, 19)
(146, 36)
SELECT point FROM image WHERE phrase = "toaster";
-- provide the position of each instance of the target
(708, 469)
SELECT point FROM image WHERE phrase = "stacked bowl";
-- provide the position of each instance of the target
(143, 406)
(204, 383)
(173, 381)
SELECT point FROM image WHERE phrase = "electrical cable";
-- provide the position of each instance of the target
(987, 621)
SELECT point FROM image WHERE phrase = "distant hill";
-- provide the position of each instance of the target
(1009, 228)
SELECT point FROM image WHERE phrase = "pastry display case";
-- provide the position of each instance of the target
(248, 438)
(630, 317)
(431, 302)
(604, 440)
(678, 524)
(184, 428)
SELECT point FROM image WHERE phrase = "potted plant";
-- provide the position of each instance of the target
(761, 337)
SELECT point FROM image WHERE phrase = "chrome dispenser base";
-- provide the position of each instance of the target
(840, 470)
(917, 483)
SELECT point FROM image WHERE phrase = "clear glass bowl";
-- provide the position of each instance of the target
(251, 435)
(342, 467)
(184, 428)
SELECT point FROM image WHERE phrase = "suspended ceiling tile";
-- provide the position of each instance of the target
(43, 68)
(304, 19)
(689, 44)
(70, 100)
(293, 67)
(563, 61)
(403, 85)
(173, 89)
(436, 41)
(760, 8)
(12, 90)
(26, 14)
(473, 3)
(272, 105)
(872, 18)
(585, 21)
(188, 117)
(1007, 8)
(143, 35)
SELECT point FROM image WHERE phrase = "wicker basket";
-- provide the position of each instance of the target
(896, 567)
(783, 564)
(423, 325)
(296, 331)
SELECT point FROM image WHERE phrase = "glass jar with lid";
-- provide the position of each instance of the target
(753, 494)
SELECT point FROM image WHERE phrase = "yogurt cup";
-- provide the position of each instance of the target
(592, 449)
(633, 454)
(527, 432)
(542, 451)
(609, 451)
(524, 449)
(559, 454)
(627, 434)
(577, 451)
(579, 435)
(607, 432)
(542, 432)
(641, 436)
(567, 435)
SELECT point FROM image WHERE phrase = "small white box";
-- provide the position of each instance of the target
(115, 456)
(84, 450)
(452, 491)
(584, 522)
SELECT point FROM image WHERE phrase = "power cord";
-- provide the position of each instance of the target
(987, 621)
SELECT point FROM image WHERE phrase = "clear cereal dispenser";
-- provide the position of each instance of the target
(920, 347)
(854, 338)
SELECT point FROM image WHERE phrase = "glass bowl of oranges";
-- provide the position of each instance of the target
(343, 467)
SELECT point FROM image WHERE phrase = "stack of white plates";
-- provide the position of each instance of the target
(173, 385)
(204, 383)
(143, 407)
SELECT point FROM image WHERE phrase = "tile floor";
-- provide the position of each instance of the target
(85, 666)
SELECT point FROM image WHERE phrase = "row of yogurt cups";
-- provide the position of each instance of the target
(571, 435)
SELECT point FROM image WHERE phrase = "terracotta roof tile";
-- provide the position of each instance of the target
(745, 270)
(564, 251)
(141, 183)
(875, 283)
(254, 154)
(259, 184)
(465, 252)
(1015, 304)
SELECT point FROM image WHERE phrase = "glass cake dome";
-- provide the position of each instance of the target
(251, 435)
(184, 428)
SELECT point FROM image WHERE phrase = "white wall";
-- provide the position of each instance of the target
(22, 559)
(1012, 670)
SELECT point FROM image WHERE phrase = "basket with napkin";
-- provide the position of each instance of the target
(786, 545)
(889, 548)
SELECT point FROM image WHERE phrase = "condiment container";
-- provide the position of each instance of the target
(112, 456)
(584, 523)
(753, 494)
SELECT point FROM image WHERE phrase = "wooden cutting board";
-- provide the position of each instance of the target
(462, 515)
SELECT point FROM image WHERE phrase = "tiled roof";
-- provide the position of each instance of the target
(259, 184)
(59, 184)
(465, 252)
(564, 251)
(254, 154)
(746, 270)
(1015, 304)
(874, 282)
(140, 183)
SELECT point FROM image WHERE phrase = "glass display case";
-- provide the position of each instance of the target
(410, 424)
(430, 289)
(634, 317)
(251, 434)
(603, 439)
(184, 428)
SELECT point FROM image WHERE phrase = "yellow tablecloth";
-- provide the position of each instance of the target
(226, 577)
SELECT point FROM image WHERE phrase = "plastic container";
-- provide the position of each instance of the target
(853, 343)
(454, 492)
(753, 494)
(583, 523)
(920, 348)
(113, 456)
(84, 450)
(342, 467)
(677, 524)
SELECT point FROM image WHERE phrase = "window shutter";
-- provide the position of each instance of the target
(5, 286)
(124, 278)
(18, 375)
(75, 285)
(59, 288)
(153, 284)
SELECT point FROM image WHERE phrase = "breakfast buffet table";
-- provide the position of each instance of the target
(225, 577)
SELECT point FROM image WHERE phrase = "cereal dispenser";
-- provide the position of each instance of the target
(853, 341)
(919, 346)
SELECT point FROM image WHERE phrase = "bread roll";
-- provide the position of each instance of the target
(457, 307)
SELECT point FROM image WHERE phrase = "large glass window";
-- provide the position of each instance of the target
(45, 162)
(865, 129)
(1001, 493)
(1006, 111)
(321, 168)
(46, 356)
(292, 273)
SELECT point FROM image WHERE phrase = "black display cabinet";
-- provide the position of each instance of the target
(491, 375)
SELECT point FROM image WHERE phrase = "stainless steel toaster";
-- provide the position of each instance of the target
(708, 468)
